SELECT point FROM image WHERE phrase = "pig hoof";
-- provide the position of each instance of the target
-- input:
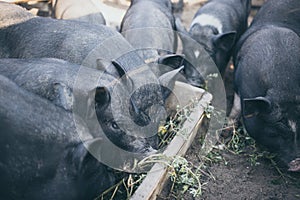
(294, 165)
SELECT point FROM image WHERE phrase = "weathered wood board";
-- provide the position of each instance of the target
(157, 176)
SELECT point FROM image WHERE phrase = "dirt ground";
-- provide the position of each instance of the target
(236, 179)
(234, 176)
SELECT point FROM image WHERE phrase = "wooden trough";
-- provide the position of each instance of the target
(158, 175)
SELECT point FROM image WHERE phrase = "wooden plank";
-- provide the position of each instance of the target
(157, 176)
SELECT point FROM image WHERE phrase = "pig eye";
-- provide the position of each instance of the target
(115, 125)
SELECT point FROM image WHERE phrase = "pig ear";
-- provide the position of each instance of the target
(182, 32)
(225, 41)
(179, 26)
(119, 68)
(172, 60)
(102, 97)
(254, 106)
(122, 72)
(167, 80)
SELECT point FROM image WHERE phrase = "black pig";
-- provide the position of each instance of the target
(42, 156)
(216, 26)
(267, 79)
(55, 80)
(149, 25)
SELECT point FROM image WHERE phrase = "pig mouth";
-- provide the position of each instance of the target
(294, 165)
